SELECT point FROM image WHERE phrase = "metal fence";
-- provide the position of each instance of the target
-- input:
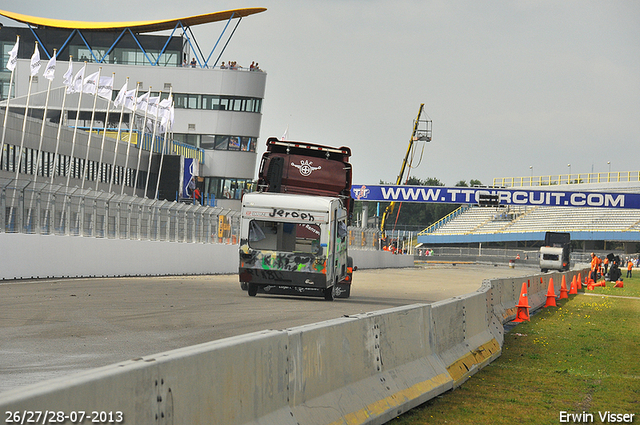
(40, 208)
(505, 254)
(46, 209)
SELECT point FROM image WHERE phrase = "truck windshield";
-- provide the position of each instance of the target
(280, 236)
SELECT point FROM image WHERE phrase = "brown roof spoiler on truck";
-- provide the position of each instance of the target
(306, 168)
(304, 148)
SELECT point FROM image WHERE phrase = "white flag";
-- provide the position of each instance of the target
(35, 62)
(105, 88)
(121, 95)
(165, 113)
(66, 78)
(90, 83)
(142, 102)
(13, 57)
(153, 105)
(130, 99)
(50, 69)
(76, 83)
(285, 136)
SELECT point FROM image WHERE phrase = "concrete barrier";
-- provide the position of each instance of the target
(361, 369)
(366, 259)
(26, 256)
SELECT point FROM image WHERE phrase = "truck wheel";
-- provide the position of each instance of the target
(253, 289)
(244, 286)
(329, 293)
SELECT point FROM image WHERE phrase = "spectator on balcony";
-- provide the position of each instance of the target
(223, 66)
(193, 63)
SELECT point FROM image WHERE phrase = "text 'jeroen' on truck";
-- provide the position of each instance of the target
(293, 232)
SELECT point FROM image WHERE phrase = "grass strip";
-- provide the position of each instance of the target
(581, 357)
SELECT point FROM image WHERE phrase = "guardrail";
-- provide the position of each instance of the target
(46, 209)
(27, 207)
(557, 179)
(360, 369)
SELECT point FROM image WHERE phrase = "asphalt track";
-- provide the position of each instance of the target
(50, 328)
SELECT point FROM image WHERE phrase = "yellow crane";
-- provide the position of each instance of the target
(421, 132)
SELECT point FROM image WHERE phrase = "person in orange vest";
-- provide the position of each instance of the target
(629, 267)
(595, 263)
(605, 263)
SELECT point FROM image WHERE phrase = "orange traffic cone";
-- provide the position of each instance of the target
(619, 284)
(523, 305)
(563, 288)
(574, 286)
(551, 296)
(579, 282)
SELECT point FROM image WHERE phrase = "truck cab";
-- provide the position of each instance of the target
(294, 244)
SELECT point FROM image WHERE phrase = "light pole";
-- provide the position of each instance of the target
(569, 165)
(609, 164)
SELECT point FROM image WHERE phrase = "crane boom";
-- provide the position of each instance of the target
(416, 135)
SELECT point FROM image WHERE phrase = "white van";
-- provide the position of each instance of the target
(294, 245)
(554, 258)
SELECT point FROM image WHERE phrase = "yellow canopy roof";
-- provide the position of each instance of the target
(134, 26)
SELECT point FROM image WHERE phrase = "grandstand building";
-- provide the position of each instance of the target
(217, 111)
(524, 226)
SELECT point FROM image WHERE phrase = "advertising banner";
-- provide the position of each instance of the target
(511, 196)
(189, 173)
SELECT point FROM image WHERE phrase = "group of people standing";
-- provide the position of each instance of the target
(234, 65)
(225, 65)
(601, 266)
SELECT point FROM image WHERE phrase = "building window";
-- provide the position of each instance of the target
(227, 188)
(187, 139)
(217, 103)
(218, 142)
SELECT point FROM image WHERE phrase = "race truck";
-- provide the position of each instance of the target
(293, 231)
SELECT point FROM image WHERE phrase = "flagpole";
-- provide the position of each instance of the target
(24, 123)
(93, 114)
(75, 127)
(164, 144)
(153, 139)
(6, 113)
(44, 118)
(67, 75)
(115, 151)
(131, 122)
(73, 139)
(34, 67)
(64, 100)
(144, 126)
(104, 135)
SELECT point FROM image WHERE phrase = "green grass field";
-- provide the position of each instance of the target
(580, 357)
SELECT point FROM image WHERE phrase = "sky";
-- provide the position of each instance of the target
(513, 88)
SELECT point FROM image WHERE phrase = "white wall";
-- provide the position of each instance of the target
(33, 256)
(24, 256)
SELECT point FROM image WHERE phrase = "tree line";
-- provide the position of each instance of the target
(412, 215)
